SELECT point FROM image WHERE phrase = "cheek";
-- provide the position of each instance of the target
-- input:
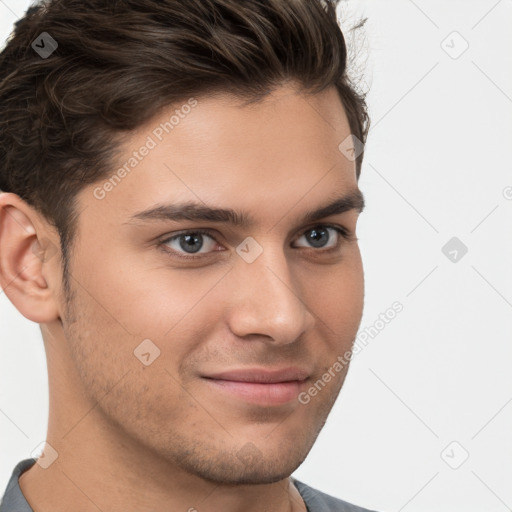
(114, 378)
(336, 296)
(148, 296)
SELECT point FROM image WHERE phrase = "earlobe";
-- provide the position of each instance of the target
(24, 253)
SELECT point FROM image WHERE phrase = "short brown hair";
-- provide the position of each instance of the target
(118, 63)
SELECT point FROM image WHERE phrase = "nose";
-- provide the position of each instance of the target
(266, 300)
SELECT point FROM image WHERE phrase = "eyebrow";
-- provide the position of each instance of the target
(192, 211)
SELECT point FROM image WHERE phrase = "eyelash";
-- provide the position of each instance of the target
(345, 234)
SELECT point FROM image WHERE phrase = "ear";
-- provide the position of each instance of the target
(29, 263)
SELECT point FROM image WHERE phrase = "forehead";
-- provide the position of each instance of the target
(268, 156)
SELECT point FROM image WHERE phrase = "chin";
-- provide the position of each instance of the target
(243, 469)
(246, 476)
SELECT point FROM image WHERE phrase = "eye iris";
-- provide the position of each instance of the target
(318, 237)
(190, 240)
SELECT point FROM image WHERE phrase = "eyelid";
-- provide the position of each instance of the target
(344, 232)
(185, 256)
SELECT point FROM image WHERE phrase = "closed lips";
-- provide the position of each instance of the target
(263, 376)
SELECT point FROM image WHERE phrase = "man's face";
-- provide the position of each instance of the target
(296, 304)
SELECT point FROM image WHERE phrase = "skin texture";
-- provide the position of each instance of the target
(132, 437)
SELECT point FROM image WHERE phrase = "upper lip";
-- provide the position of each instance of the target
(263, 375)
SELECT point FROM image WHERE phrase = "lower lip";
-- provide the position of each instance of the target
(276, 393)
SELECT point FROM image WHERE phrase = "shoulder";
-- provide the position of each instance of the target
(318, 501)
(13, 499)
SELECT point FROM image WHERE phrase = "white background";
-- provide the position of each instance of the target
(437, 165)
